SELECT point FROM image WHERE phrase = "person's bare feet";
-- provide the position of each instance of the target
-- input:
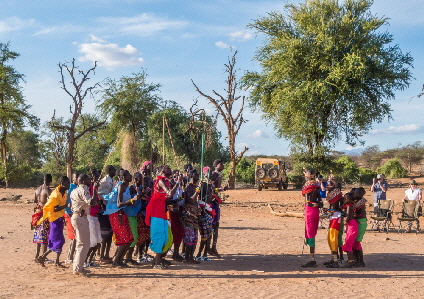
(41, 260)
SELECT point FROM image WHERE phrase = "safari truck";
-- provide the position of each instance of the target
(271, 173)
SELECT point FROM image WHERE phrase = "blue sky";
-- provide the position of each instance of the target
(176, 41)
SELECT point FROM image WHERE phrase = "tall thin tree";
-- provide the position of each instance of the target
(14, 111)
(78, 91)
(224, 108)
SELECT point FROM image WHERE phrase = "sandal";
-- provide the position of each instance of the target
(310, 264)
(160, 267)
(329, 262)
(199, 258)
(60, 266)
(178, 258)
(333, 264)
(349, 265)
(206, 259)
(166, 262)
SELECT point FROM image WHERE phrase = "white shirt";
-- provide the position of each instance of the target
(413, 194)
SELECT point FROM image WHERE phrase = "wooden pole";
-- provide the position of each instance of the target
(163, 140)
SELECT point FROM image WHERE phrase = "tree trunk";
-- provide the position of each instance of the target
(232, 175)
(70, 157)
(4, 158)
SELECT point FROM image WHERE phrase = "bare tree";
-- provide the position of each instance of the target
(78, 92)
(224, 108)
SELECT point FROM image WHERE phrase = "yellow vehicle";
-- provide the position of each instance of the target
(271, 173)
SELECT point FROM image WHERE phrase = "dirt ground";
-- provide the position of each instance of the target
(262, 254)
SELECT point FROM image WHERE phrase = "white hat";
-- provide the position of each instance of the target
(380, 176)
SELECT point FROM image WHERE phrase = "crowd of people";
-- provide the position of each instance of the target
(137, 212)
(347, 209)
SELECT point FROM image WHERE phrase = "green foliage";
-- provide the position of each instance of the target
(346, 170)
(328, 71)
(366, 175)
(186, 139)
(245, 171)
(129, 102)
(411, 155)
(14, 115)
(371, 157)
(393, 169)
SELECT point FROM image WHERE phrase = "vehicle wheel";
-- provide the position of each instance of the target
(280, 185)
(273, 173)
(259, 187)
(260, 173)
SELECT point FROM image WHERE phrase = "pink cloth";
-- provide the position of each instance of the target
(311, 221)
(357, 245)
(145, 165)
(351, 234)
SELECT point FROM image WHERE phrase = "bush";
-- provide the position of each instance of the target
(393, 169)
(366, 175)
(346, 170)
(245, 171)
(296, 179)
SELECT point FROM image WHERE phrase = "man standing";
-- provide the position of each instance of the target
(81, 202)
(216, 180)
(106, 187)
(379, 187)
(68, 216)
(54, 211)
(41, 231)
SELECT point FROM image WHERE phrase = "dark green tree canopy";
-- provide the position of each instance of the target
(329, 71)
(128, 102)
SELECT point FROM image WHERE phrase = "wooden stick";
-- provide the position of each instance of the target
(285, 214)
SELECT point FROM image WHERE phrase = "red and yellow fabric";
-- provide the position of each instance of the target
(333, 231)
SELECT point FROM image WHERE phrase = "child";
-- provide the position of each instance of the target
(190, 217)
(359, 209)
(351, 230)
(334, 197)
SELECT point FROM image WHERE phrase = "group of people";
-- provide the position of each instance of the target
(347, 209)
(136, 212)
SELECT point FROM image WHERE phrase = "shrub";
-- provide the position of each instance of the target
(393, 169)
(245, 171)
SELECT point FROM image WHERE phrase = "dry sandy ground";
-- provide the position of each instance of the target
(262, 255)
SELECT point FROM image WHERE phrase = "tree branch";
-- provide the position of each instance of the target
(92, 128)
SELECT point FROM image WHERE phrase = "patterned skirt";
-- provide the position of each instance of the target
(205, 225)
(143, 229)
(41, 232)
(121, 228)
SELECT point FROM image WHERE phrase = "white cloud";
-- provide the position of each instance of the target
(145, 24)
(109, 55)
(240, 36)
(67, 28)
(96, 39)
(406, 129)
(258, 134)
(222, 45)
(15, 24)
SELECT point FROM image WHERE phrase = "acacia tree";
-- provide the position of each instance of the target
(224, 108)
(14, 111)
(411, 155)
(78, 91)
(128, 103)
(328, 72)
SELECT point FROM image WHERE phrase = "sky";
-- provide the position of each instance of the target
(179, 41)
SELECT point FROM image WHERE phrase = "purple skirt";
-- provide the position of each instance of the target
(56, 237)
